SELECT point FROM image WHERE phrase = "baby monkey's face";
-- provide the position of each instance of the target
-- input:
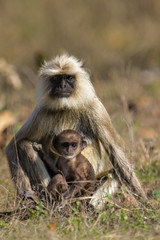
(69, 146)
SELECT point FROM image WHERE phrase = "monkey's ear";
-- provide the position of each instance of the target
(84, 144)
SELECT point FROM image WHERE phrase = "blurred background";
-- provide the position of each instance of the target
(119, 42)
(106, 34)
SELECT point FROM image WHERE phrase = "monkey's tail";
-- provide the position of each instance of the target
(125, 172)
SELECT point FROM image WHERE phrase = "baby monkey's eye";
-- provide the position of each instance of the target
(74, 145)
(65, 144)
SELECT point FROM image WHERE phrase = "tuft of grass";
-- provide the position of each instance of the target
(156, 194)
(150, 172)
(3, 223)
(38, 212)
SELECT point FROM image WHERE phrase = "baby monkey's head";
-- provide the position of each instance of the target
(69, 143)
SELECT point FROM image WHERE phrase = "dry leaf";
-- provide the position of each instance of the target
(53, 226)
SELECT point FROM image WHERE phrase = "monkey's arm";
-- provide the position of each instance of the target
(18, 175)
(45, 157)
(115, 149)
(26, 168)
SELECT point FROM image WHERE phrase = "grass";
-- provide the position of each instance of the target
(77, 223)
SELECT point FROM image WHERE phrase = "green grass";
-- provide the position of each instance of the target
(78, 223)
(150, 172)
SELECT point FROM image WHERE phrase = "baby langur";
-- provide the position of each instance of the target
(72, 173)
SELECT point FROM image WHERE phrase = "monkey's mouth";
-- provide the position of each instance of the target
(61, 94)
(68, 156)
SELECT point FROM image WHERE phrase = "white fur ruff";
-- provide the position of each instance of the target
(65, 65)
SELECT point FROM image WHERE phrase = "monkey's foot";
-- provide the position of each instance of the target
(99, 198)
(28, 194)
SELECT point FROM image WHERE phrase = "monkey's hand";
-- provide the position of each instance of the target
(28, 194)
(37, 146)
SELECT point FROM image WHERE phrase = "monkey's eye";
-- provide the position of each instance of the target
(55, 78)
(71, 78)
(65, 144)
(74, 145)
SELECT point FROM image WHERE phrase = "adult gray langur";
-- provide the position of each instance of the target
(66, 99)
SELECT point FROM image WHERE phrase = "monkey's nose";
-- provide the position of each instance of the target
(63, 83)
(67, 149)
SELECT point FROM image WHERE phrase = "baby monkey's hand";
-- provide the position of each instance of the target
(37, 146)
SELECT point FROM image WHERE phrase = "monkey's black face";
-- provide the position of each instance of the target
(62, 85)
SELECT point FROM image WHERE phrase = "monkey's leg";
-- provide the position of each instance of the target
(27, 169)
